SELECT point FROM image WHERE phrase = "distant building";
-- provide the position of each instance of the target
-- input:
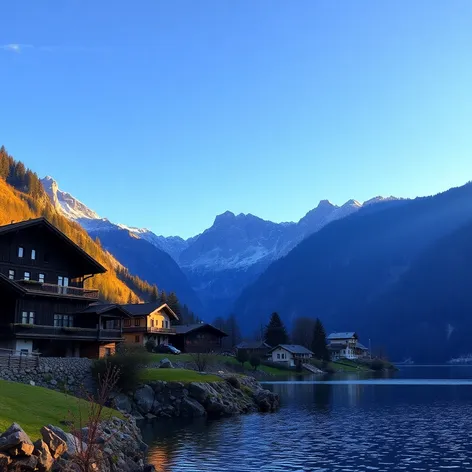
(198, 337)
(346, 345)
(257, 348)
(290, 354)
(149, 322)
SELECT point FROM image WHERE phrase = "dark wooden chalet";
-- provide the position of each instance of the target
(45, 305)
(198, 337)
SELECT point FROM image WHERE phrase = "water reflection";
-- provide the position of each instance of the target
(327, 426)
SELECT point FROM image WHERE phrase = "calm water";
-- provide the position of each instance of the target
(418, 420)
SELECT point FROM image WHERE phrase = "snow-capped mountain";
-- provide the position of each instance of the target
(226, 257)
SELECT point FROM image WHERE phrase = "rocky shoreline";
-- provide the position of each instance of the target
(117, 447)
(234, 395)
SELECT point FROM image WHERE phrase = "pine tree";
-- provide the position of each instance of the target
(163, 297)
(319, 344)
(154, 295)
(275, 332)
(130, 298)
(233, 331)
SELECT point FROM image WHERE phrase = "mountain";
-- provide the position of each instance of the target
(137, 249)
(23, 197)
(358, 273)
(219, 262)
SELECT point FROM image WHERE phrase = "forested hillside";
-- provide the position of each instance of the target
(22, 197)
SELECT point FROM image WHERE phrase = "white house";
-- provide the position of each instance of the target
(346, 345)
(289, 354)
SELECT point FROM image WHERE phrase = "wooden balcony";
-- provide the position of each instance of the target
(59, 332)
(53, 289)
(148, 330)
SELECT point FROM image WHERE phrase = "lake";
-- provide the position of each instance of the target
(419, 419)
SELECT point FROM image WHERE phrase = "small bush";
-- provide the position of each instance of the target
(150, 345)
(242, 356)
(128, 366)
(234, 382)
(255, 361)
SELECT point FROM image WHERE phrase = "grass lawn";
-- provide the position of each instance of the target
(35, 407)
(220, 359)
(177, 375)
(348, 366)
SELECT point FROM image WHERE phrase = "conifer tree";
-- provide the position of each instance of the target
(275, 332)
(130, 298)
(319, 345)
(154, 294)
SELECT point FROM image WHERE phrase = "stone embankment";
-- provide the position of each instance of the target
(232, 396)
(117, 447)
(57, 373)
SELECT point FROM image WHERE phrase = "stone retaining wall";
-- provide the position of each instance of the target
(57, 373)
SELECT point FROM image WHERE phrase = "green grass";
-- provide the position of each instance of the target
(177, 375)
(35, 407)
(220, 359)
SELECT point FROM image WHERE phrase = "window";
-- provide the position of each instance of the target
(11, 274)
(27, 317)
(26, 276)
(136, 339)
(162, 323)
(63, 281)
(41, 278)
(20, 251)
(167, 324)
(63, 321)
(107, 351)
(137, 322)
(33, 254)
(152, 323)
(127, 323)
(278, 356)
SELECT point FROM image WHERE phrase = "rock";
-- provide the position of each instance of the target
(55, 443)
(122, 403)
(16, 442)
(191, 408)
(165, 364)
(198, 391)
(42, 452)
(144, 398)
(150, 416)
(25, 464)
(32, 383)
(4, 461)
(72, 442)
(53, 382)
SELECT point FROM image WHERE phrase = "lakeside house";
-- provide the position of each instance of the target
(290, 354)
(45, 304)
(149, 322)
(198, 337)
(257, 348)
(346, 345)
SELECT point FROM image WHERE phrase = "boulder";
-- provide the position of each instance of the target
(165, 364)
(16, 442)
(122, 403)
(42, 452)
(72, 442)
(198, 391)
(191, 408)
(4, 461)
(56, 444)
(24, 464)
(144, 399)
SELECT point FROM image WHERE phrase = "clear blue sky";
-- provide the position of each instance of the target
(163, 114)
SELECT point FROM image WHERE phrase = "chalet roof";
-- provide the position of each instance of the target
(11, 285)
(188, 328)
(361, 346)
(336, 346)
(101, 308)
(292, 348)
(95, 267)
(342, 335)
(145, 309)
(252, 345)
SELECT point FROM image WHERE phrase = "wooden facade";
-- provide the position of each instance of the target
(45, 306)
(199, 337)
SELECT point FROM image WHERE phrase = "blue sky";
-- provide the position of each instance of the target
(163, 114)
